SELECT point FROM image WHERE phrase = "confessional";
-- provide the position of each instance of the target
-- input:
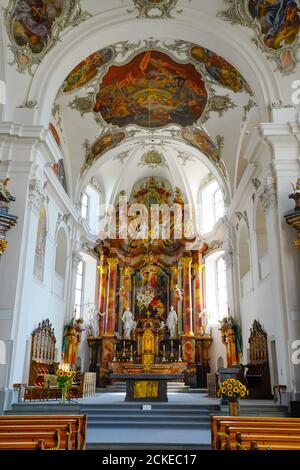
(258, 369)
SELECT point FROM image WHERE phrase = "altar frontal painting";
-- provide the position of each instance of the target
(279, 21)
(32, 22)
(220, 70)
(84, 72)
(152, 90)
(151, 287)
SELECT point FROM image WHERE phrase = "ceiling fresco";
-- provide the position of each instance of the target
(276, 24)
(105, 142)
(220, 70)
(152, 90)
(200, 139)
(87, 69)
(34, 27)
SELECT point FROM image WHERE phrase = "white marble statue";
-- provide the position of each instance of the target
(172, 322)
(128, 323)
(205, 330)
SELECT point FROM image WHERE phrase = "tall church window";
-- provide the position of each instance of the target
(221, 288)
(79, 290)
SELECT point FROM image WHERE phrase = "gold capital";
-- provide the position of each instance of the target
(102, 269)
(186, 261)
(112, 262)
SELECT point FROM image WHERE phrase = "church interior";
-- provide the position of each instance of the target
(149, 224)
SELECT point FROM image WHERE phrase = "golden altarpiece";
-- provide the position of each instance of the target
(147, 276)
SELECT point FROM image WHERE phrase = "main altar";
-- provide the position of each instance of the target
(146, 277)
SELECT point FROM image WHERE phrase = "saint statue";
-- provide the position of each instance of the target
(172, 322)
(128, 323)
(205, 330)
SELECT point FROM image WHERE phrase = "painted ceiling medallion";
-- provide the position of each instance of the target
(84, 72)
(34, 26)
(151, 91)
(105, 142)
(220, 70)
(200, 139)
(276, 24)
(155, 9)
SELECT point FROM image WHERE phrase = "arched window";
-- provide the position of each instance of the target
(244, 260)
(261, 242)
(85, 207)
(218, 204)
(212, 204)
(90, 208)
(216, 287)
(79, 289)
(222, 296)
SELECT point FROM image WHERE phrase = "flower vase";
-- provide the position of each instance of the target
(64, 395)
(234, 408)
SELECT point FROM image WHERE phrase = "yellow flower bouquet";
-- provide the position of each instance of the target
(232, 390)
(64, 379)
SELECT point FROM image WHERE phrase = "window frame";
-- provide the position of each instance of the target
(86, 206)
(79, 307)
(216, 217)
(218, 288)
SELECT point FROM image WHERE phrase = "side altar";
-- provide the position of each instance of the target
(151, 299)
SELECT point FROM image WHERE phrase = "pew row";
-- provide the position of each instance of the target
(221, 427)
(68, 432)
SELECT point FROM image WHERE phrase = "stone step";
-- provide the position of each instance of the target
(132, 422)
(168, 446)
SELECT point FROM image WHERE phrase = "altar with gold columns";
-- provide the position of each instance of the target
(150, 348)
(147, 277)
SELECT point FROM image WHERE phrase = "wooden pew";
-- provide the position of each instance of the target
(72, 428)
(218, 424)
(40, 445)
(51, 439)
(267, 440)
(231, 432)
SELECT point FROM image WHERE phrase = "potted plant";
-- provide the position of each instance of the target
(233, 390)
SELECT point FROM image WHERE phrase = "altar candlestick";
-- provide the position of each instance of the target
(164, 353)
(179, 358)
(115, 353)
(131, 351)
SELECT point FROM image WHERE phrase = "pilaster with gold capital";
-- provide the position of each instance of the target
(102, 296)
(186, 263)
(198, 297)
(111, 295)
(127, 286)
